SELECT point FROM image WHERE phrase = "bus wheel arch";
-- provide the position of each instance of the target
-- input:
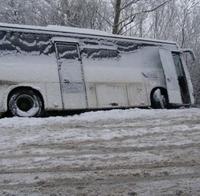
(25, 101)
(159, 98)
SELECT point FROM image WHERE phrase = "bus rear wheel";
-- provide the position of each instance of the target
(159, 99)
(25, 103)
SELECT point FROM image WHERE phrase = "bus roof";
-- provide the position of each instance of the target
(80, 31)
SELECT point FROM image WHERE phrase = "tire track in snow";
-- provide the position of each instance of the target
(154, 155)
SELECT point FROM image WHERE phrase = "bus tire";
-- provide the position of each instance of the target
(159, 99)
(25, 103)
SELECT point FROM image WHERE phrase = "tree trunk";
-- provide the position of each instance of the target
(117, 17)
(156, 26)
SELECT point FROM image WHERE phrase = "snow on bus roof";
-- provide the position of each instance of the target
(77, 30)
(65, 29)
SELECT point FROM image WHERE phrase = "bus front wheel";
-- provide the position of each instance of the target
(25, 103)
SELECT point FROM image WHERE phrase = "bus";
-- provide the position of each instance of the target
(55, 68)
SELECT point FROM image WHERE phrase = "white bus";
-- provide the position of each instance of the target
(56, 68)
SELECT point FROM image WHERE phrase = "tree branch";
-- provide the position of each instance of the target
(129, 4)
(107, 20)
(132, 17)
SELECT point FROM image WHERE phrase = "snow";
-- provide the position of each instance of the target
(76, 30)
(83, 31)
(91, 117)
(33, 66)
(150, 152)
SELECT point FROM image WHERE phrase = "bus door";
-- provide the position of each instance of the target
(173, 88)
(182, 79)
(71, 76)
(187, 74)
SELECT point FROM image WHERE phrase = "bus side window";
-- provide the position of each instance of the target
(99, 53)
(44, 44)
(6, 43)
(27, 42)
(67, 51)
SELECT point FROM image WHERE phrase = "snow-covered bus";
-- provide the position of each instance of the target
(56, 68)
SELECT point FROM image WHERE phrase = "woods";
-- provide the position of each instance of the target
(159, 19)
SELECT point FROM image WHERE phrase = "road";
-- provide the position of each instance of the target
(118, 152)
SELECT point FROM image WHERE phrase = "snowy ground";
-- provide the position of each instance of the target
(119, 152)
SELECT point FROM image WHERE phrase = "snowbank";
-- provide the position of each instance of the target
(90, 117)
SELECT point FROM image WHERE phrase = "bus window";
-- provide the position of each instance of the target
(67, 51)
(17, 42)
(99, 53)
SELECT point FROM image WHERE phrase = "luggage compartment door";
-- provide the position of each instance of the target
(173, 88)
